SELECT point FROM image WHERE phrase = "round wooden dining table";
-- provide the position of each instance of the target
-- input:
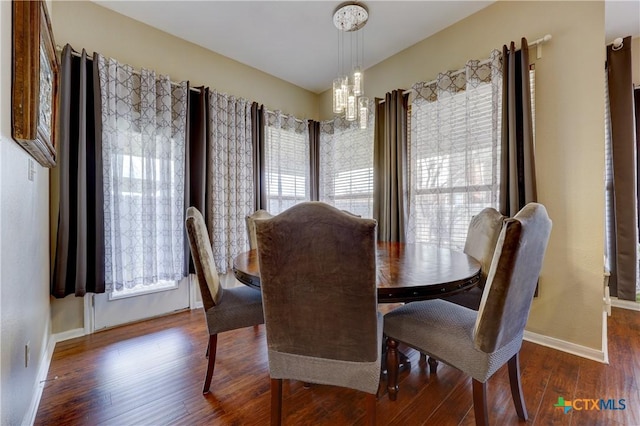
(405, 272)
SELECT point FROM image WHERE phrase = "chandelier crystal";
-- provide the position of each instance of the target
(348, 90)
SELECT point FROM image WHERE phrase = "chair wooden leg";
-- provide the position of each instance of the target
(211, 353)
(516, 387)
(371, 409)
(423, 357)
(276, 402)
(433, 365)
(480, 403)
(392, 368)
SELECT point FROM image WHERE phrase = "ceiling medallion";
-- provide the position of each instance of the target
(350, 17)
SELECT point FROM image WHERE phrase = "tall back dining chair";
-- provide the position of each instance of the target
(227, 309)
(251, 225)
(482, 236)
(318, 279)
(479, 343)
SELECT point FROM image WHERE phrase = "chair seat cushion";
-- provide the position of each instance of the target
(444, 331)
(239, 307)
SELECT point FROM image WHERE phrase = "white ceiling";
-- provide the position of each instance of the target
(296, 40)
(621, 19)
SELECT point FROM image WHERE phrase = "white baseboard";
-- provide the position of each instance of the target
(69, 334)
(625, 304)
(605, 339)
(45, 362)
(572, 348)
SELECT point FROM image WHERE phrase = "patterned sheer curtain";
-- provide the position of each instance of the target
(287, 169)
(229, 177)
(144, 119)
(454, 152)
(346, 164)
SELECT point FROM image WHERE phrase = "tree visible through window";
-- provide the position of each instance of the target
(454, 152)
(346, 165)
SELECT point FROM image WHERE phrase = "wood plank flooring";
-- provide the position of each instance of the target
(151, 373)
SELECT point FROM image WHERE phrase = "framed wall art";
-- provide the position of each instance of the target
(34, 81)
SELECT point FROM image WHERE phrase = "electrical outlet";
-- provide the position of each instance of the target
(27, 354)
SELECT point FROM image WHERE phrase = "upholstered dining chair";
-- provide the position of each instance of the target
(482, 236)
(479, 343)
(251, 225)
(318, 280)
(227, 309)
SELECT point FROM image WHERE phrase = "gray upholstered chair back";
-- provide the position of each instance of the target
(512, 278)
(203, 261)
(251, 225)
(318, 279)
(482, 236)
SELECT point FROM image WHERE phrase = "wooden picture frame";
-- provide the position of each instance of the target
(34, 81)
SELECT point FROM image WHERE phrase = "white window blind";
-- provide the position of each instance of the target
(454, 152)
(287, 161)
(346, 165)
(609, 231)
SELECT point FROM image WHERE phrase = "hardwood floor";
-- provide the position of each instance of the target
(151, 373)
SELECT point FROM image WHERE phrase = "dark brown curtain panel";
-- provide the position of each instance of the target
(196, 158)
(257, 139)
(79, 253)
(624, 241)
(314, 159)
(517, 168)
(390, 166)
(636, 103)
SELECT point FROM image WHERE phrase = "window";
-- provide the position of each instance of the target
(140, 178)
(143, 154)
(287, 161)
(346, 166)
(454, 153)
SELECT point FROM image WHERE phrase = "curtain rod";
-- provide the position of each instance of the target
(460, 71)
(299, 120)
(90, 58)
(618, 43)
(173, 83)
(538, 43)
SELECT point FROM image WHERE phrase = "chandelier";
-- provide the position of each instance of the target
(348, 89)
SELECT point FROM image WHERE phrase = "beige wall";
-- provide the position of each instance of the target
(86, 25)
(569, 145)
(24, 257)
